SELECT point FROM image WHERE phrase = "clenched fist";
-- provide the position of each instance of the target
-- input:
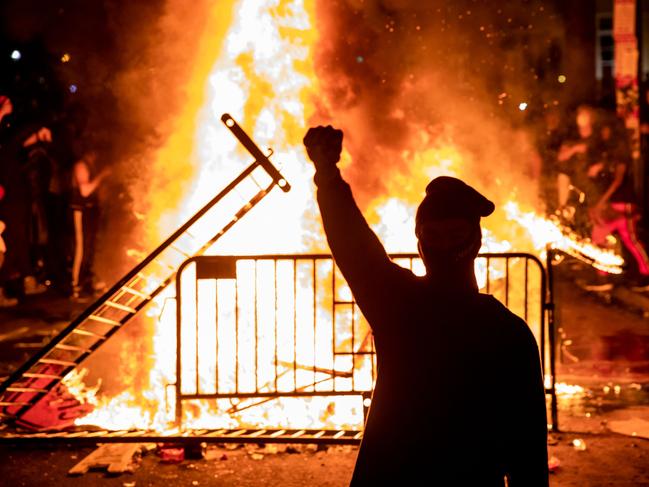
(323, 145)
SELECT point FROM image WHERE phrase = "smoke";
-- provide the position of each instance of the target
(156, 46)
(165, 51)
(409, 80)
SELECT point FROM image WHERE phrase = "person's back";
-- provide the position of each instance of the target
(448, 387)
(459, 397)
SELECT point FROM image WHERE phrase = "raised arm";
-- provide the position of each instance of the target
(82, 179)
(356, 249)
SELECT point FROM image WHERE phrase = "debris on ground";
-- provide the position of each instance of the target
(116, 458)
(553, 464)
(171, 453)
(56, 410)
(553, 440)
(579, 444)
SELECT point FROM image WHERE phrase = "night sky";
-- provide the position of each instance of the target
(71, 52)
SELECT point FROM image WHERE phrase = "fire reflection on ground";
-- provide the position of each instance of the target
(590, 401)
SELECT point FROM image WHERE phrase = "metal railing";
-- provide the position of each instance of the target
(267, 327)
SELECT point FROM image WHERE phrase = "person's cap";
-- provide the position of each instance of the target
(448, 197)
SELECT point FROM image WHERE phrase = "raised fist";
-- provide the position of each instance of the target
(323, 145)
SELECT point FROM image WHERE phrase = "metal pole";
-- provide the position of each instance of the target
(549, 306)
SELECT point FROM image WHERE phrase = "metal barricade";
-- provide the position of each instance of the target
(252, 329)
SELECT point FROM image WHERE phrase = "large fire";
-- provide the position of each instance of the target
(263, 75)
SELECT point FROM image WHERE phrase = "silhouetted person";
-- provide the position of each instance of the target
(84, 202)
(613, 203)
(549, 137)
(459, 396)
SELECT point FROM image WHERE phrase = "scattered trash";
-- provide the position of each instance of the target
(213, 454)
(553, 464)
(256, 456)
(171, 453)
(56, 410)
(274, 449)
(579, 444)
(117, 458)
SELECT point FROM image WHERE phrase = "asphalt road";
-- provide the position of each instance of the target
(603, 347)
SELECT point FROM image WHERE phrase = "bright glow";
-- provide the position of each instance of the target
(522, 106)
(545, 232)
(579, 444)
(264, 77)
(73, 88)
(564, 389)
(65, 58)
(562, 78)
(16, 55)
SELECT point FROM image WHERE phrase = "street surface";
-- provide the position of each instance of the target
(603, 347)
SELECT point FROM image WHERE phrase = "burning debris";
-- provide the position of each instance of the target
(52, 409)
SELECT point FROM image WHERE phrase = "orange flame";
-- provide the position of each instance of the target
(264, 78)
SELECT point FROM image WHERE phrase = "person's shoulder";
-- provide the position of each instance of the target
(497, 312)
(493, 305)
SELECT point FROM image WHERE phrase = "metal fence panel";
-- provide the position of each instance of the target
(274, 326)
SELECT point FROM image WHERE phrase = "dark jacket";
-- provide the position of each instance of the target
(459, 397)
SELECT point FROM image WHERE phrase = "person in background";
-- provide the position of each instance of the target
(5, 302)
(548, 141)
(439, 342)
(644, 144)
(575, 154)
(6, 108)
(15, 211)
(84, 202)
(48, 183)
(613, 206)
(37, 166)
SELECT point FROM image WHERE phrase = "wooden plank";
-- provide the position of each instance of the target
(116, 458)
